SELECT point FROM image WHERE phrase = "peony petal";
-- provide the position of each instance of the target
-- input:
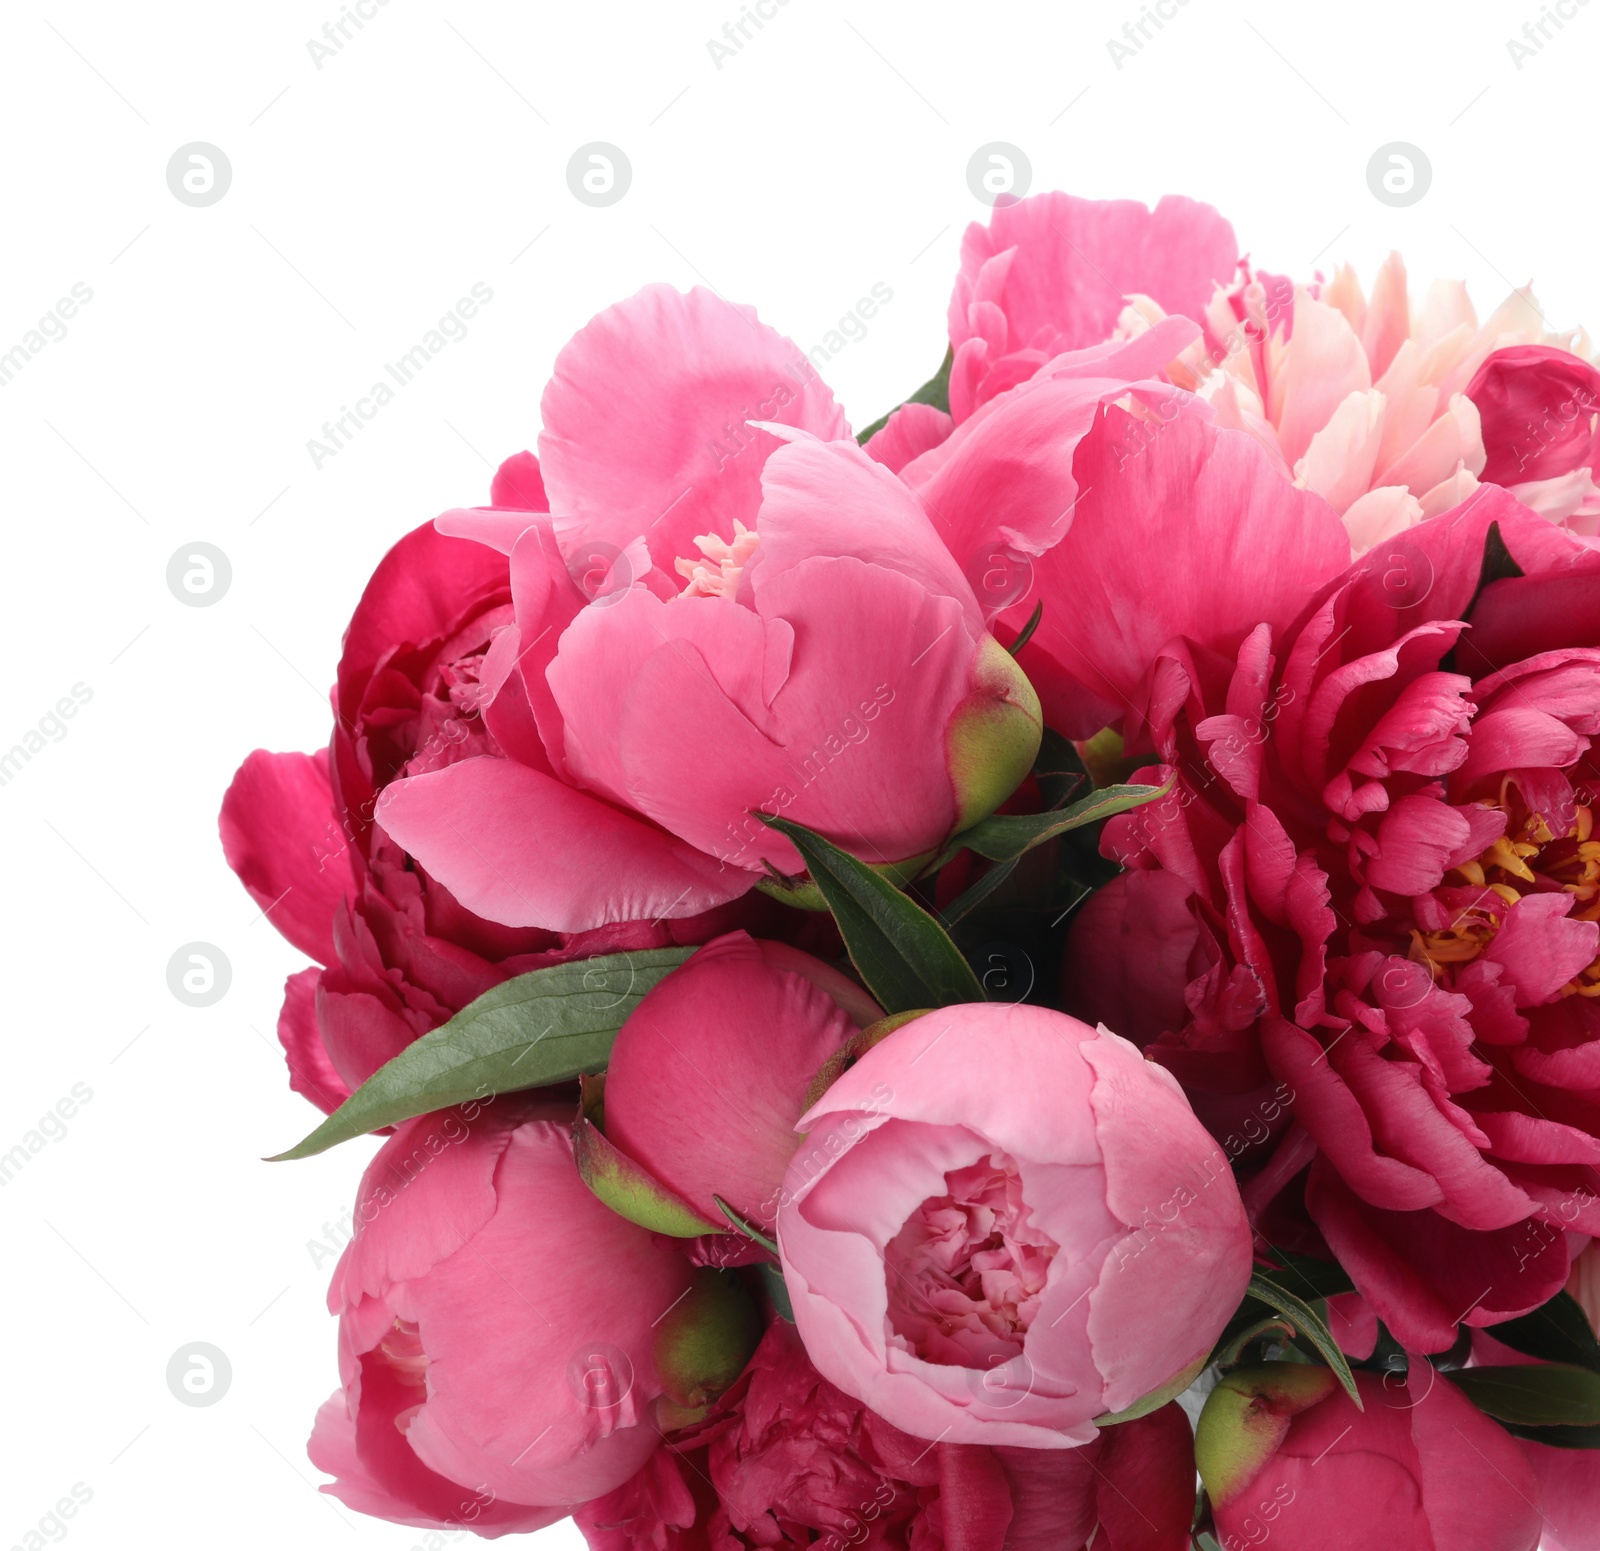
(645, 417)
(518, 847)
(281, 835)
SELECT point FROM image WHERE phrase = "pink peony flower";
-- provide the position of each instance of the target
(499, 1330)
(1540, 411)
(821, 657)
(1286, 1456)
(1374, 885)
(988, 1212)
(710, 1072)
(399, 953)
(786, 1460)
(1053, 273)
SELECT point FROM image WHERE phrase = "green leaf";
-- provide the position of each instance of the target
(1002, 836)
(545, 1027)
(777, 1290)
(935, 391)
(1557, 1437)
(905, 957)
(1309, 1323)
(1534, 1395)
(747, 1228)
(1059, 773)
(1309, 1277)
(1558, 1332)
(1058, 769)
(1228, 1353)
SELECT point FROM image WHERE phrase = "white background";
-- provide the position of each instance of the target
(367, 196)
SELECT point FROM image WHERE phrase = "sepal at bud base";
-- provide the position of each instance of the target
(1157, 1398)
(1247, 1416)
(993, 736)
(852, 1051)
(705, 1339)
(627, 1187)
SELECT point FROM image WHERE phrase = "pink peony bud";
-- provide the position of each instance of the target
(1004, 1225)
(1285, 1456)
(709, 1075)
(504, 1339)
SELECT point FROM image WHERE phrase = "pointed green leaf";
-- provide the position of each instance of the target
(905, 957)
(777, 1290)
(748, 1229)
(1058, 769)
(545, 1027)
(1310, 1324)
(1558, 1332)
(1002, 836)
(1534, 1395)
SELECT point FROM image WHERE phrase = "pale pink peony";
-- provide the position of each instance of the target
(1369, 401)
(1003, 1261)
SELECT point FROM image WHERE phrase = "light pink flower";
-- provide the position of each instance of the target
(1369, 401)
(983, 1261)
(825, 659)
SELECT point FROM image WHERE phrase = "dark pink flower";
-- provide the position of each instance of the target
(786, 1461)
(399, 953)
(1381, 835)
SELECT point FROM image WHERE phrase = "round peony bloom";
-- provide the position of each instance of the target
(399, 954)
(820, 657)
(785, 1459)
(504, 1339)
(1004, 1225)
(1286, 1456)
(1374, 885)
(710, 1072)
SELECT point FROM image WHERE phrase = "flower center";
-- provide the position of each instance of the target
(968, 1269)
(716, 574)
(1529, 858)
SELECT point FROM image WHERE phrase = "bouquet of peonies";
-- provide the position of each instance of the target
(1026, 978)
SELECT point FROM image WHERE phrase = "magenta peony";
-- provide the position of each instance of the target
(1373, 884)
(786, 1460)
